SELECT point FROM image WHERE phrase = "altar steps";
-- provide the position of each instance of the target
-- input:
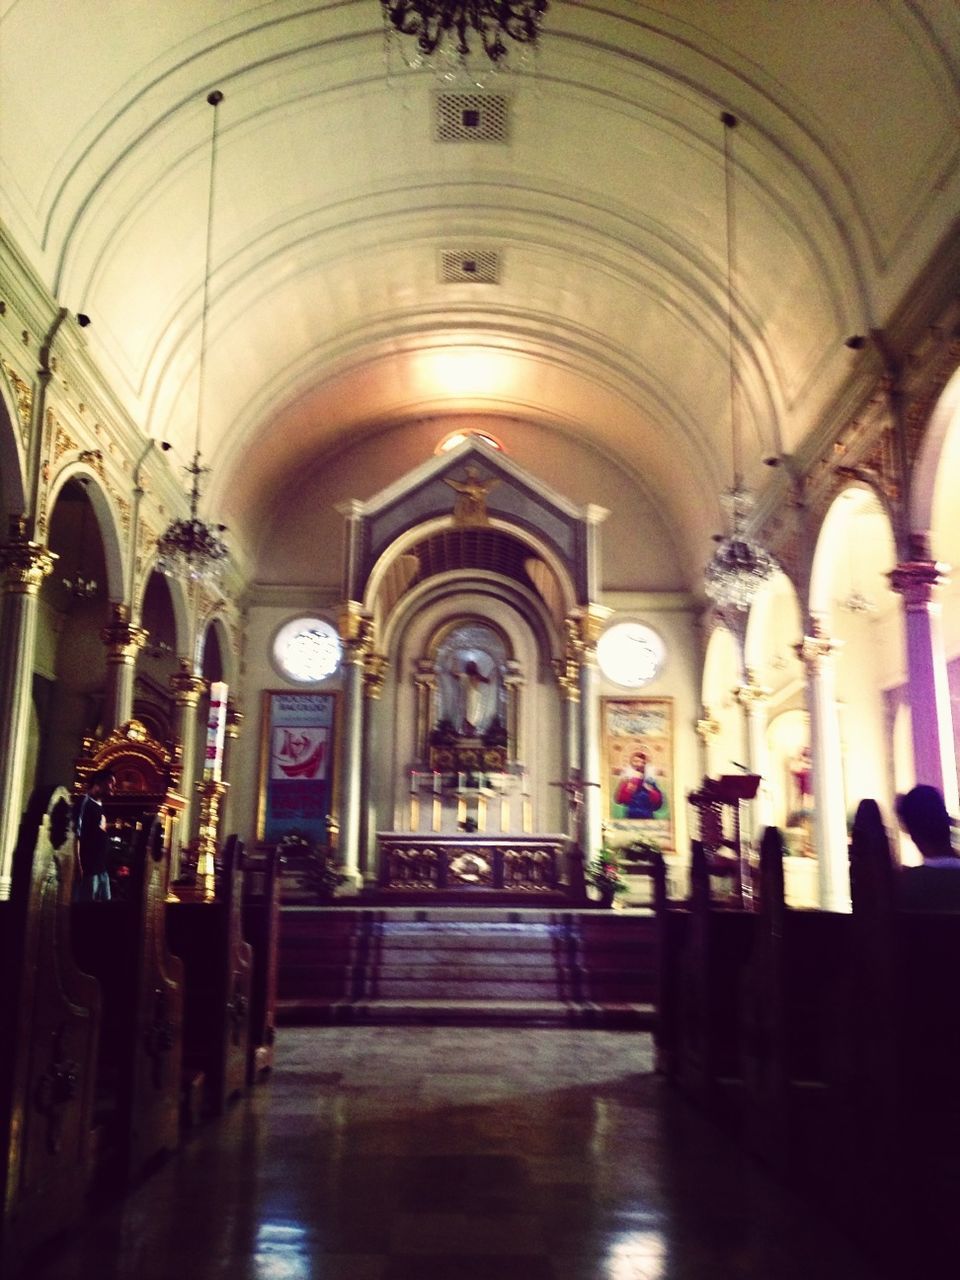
(466, 966)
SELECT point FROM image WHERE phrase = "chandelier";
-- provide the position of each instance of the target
(193, 549)
(740, 566)
(434, 22)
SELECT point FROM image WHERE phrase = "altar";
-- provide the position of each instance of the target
(470, 866)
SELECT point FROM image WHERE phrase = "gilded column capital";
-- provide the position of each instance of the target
(356, 632)
(707, 726)
(589, 621)
(817, 647)
(916, 581)
(235, 719)
(121, 637)
(751, 694)
(24, 563)
(375, 668)
(187, 687)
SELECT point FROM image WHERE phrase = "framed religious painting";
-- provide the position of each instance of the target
(297, 758)
(637, 755)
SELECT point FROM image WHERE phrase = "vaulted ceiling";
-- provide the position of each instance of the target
(329, 321)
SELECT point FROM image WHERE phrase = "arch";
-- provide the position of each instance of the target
(722, 674)
(179, 605)
(114, 552)
(13, 492)
(942, 430)
(774, 626)
(214, 631)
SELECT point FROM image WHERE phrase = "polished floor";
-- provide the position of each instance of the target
(382, 1153)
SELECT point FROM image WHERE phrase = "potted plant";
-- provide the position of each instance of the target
(603, 873)
(325, 875)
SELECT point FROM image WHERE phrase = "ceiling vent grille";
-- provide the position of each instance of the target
(472, 117)
(469, 266)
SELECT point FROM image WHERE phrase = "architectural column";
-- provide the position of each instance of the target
(355, 632)
(425, 686)
(753, 698)
(931, 721)
(567, 669)
(187, 688)
(231, 733)
(24, 565)
(375, 671)
(123, 641)
(591, 622)
(707, 728)
(829, 803)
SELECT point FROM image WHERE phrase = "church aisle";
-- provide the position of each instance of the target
(381, 1153)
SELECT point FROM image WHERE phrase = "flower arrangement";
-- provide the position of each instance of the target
(603, 872)
(321, 873)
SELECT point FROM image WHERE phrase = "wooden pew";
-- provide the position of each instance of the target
(49, 1021)
(218, 963)
(790, 1025)
(261, 929)
(898, 1104)
(123, 943)
(672, 925)
(711, 965)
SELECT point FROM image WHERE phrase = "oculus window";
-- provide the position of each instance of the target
(630, 654)
(307, 650)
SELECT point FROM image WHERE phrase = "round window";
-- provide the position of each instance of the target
(630, 654)
(307, 650)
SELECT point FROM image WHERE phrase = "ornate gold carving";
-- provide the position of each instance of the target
(470, 507)
(187, 687)
(235, 718)
(814, 649)
(122, 638)
(63, 442)
(24, 394)
(707, 726)
(24, 563)
(375, 671)
(751, 694)
(211, 793)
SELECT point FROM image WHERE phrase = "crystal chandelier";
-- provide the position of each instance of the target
(192, 548)
(739, 566)
(433, 22)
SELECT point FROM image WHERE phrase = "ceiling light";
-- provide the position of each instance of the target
(192, 548)
(739, 566)
(491, 23)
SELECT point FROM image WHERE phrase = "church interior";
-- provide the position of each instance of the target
(479, 476)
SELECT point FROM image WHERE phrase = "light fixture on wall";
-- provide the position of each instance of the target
(193, 548)
(740, 566)
(491, 23)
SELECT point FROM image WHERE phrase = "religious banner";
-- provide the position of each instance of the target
(637, 746)
(296, 774)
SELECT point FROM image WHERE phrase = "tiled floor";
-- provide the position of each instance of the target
(382, 1153)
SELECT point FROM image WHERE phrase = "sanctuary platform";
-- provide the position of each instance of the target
(466, 966)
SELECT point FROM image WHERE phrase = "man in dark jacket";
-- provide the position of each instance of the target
(93, 878)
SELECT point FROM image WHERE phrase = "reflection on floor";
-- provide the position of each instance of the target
(386, 1153)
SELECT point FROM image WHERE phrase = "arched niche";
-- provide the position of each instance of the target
(157, 660)
(722, 675)
(111, 546)
(73, 609)
(175, 601)
(851, 594)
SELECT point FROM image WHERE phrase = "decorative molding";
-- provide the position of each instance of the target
(23, 392)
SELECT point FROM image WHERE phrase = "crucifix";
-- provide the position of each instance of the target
(574, 789)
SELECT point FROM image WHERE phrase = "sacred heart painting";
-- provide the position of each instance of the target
(297, 758)
(637, 742)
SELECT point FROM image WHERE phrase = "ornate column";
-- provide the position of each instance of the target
(123, 641)
(931, 721)
(753, 698)
(355, 631)
(567, 670)
(591, 621)
(707, 728)
(829, 805)
(187, 688)
(235, 718)
(24, 565)
(375, 671)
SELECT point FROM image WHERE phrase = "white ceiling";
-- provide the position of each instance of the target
(327, 321)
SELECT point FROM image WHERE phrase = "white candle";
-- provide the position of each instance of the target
(436, 782)
(216, 730)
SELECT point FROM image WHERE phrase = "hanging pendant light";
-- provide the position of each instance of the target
(740, 566)
(194, 549)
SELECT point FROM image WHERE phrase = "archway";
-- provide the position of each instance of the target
(851, 593)
(726, 750)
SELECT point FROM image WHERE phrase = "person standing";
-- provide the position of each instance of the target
(93, 877)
